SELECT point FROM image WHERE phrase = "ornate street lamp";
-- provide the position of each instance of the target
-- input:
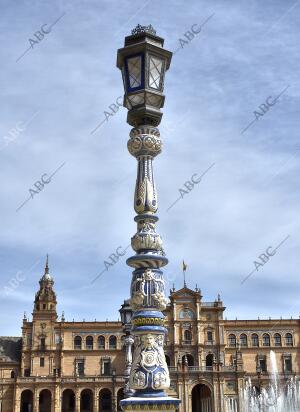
(143, 63)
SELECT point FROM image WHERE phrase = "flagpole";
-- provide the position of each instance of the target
(184, 266)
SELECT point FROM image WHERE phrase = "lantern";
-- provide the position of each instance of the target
(143, 62)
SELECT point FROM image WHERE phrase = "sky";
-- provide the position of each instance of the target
(230, 122)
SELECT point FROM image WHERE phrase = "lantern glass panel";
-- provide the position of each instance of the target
(155, 71)
(135, 100)
(134, 72)
(153, 100)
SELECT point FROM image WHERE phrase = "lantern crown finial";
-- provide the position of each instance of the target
(143, 29)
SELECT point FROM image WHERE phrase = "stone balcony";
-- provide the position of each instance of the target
(69, 379)
(206, 369)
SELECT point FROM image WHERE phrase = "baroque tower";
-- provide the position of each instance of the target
(38, 335)
(45, 299)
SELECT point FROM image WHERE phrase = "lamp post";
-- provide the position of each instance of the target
(143, 62)
(114, 403)
(126, 315)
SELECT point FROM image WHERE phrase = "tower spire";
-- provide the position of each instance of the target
(47, 267)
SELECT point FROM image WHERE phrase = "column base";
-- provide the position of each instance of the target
(163, 404)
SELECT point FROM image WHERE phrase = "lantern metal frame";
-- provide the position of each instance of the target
(146, 110)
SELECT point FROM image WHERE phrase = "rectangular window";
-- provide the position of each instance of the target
(232, 340)
(80, 367)
(209, 336)
(27, 373)
(42, 362)
(288, 365)
(263, 365)
(289, 339)
(101, 343)
(106, 367)
(57, 338)
(43, 343)
(56, 372)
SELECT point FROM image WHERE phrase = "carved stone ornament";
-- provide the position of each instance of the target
(148, 290)
(144, 142)
(149, 366)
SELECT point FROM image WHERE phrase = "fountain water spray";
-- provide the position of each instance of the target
(278, 397)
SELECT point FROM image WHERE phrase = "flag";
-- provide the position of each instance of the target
(184, 266)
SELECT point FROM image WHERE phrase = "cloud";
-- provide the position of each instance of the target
(247, 202)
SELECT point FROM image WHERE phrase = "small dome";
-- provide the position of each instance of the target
(47, 276)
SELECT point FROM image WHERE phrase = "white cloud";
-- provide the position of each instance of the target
(248, 201)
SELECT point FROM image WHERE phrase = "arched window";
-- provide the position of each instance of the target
(112, 342)
(120, 396)
(68, 400)
(45, 398)
(266, 339)
(232, 340)
(277, 339)
(188, 359)
(86, 400)
(186, 314)
(187, 335)
(243, 340)
(289, 339)
(105, 400)
(101, 342)
(26, 399)
(202, 399)
(89, 342)
(254, 339)
(77, 342)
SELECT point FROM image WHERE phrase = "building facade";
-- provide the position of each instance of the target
(63, 366)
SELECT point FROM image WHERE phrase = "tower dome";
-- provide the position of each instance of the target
(45, 298)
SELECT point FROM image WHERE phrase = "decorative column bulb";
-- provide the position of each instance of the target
(143, 62)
